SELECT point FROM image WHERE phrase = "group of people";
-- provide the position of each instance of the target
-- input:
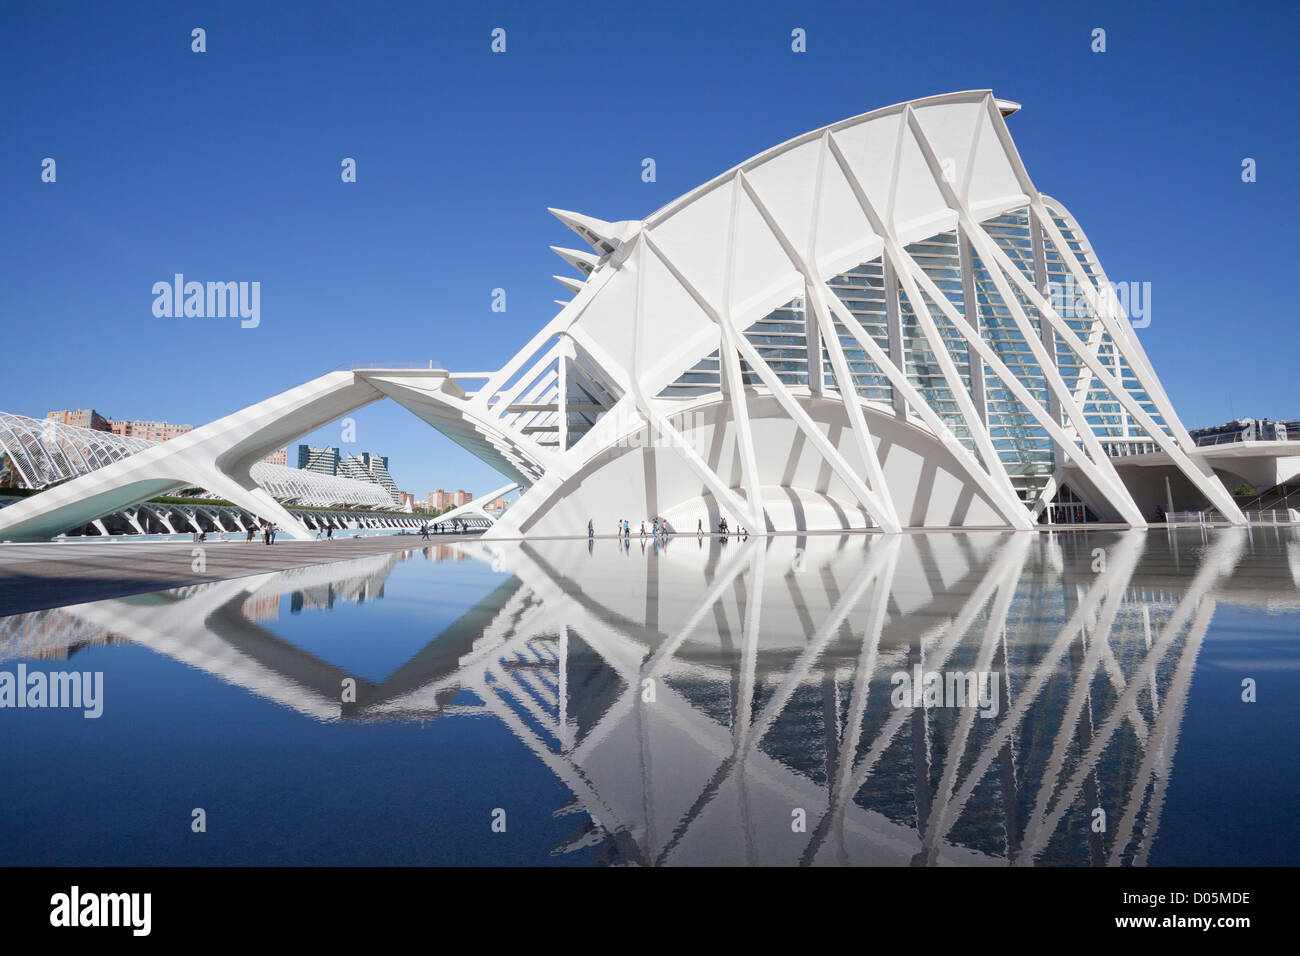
(724, 529)
(657, 527)
(457, 527)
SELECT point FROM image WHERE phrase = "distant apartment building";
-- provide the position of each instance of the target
(126, 427)
(406, 499)
(280, 457)
(82, 418)
(371, 468)
(152, 431)
(496, 507)
(362, 467)
(324, 461)
(442, 500)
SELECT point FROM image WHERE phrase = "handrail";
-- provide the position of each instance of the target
(431, 365)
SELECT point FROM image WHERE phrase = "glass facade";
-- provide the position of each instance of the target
(1023, 445)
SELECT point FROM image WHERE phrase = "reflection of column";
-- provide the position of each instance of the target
(1010, 785)
(1004, 571)
(839, 785)
(1217, 562)
(991, 646)
(920, 742)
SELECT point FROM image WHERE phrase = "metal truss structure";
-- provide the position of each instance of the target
(879, 324)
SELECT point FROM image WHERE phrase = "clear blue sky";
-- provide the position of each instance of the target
(225, 166)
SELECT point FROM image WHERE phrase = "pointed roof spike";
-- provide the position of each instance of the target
(573, 285)
(561, 303)
(602, 236)
(584, 262)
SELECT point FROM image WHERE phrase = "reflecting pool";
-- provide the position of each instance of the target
(974, 699)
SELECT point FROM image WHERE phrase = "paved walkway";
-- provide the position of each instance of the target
(37, 576)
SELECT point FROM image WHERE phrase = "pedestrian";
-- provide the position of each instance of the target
(699, 526)
(591, 529)
(266, 533)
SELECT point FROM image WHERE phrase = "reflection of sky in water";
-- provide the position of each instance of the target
(513, 676)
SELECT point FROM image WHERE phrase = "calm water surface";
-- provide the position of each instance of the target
(931, 699)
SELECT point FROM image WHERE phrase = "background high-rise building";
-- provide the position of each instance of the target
(372, 468)
(362, 467)
(324, 461)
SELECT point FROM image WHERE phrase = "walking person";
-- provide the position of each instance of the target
(591, 529)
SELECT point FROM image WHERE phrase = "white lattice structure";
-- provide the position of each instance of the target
(45, 452)
(859, 328)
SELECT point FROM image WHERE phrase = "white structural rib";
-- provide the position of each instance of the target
(999, 484)
(584, 262)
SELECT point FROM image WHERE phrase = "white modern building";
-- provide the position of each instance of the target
(879, 324)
